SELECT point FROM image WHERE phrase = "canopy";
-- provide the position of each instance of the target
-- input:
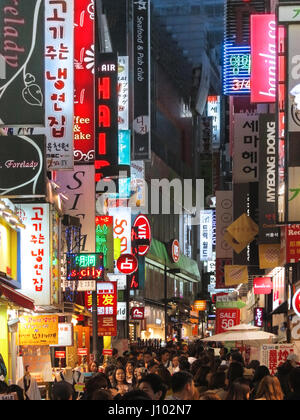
(243, 333)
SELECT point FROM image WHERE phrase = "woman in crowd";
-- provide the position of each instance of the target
(238, 391)
(260, 373)
(120, 385)
(130, 378)
(269, 389)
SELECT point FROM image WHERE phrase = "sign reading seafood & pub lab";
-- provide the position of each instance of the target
(22, 166)
(22, 63)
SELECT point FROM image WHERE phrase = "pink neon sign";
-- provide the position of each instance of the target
(264, 58)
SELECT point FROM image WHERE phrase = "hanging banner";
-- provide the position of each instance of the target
(214, 111)
(224, 217)
(123, 89)
(142, 93)
(107, 299)
(267, 180)
(274, 355)
(206, 235)
(76, 185)
(105, 240)
(22, 166)
(59, 89)
(22, 101)
(263, 58)
(246, 148)
(107, 147)
(84, 81)
(122, 227)
(35, 253)
(235, 275)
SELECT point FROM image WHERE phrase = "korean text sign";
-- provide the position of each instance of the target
(107, 299)
(38, 330)
(35, 253)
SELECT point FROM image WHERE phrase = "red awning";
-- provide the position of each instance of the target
(16, 297)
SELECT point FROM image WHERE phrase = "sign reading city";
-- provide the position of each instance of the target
(85, 267)
(144, 232)
(263, 58)
(127, 264)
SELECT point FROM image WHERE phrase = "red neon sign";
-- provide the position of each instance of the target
(84, 82)
(144, 232)
(127, 264)
(106, 149)
(264, 58)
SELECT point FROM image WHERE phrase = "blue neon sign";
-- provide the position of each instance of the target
(236, 70)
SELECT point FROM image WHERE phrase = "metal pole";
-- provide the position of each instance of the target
(166, 304)
(96, 352)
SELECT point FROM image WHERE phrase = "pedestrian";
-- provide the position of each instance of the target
(94, 367)
(210, 396)
(183, 387)
(294, 381)
(97, 382)
(15, 389)
(102, 395)
(62, 391)
(152, 367)
(174, 365)
(283, 373)
(165, 358)
(217, 384)
(147, 357)
(130, 378)
(184, 364)
(269, 389)
(235, 371)
(260, 373)
(238, 391)
(119, 385)
(3, 387)
(202, 378)
(154, 387)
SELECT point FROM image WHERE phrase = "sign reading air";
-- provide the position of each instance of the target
(106, 151)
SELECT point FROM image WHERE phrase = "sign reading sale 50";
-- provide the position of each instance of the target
(227, 318)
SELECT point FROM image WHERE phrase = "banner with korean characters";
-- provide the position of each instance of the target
(123, 90)
(59, 89)
(224, 218)
(246, 148)
(84, 81)
(36, 282)
(39, 330)
(274, 355)
(22, 101)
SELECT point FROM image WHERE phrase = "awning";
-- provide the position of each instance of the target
(158, 253)
(282, 309)
(16, 297)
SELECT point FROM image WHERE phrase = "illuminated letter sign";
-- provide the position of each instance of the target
(263, 51)
(85, 267)
(106, 150)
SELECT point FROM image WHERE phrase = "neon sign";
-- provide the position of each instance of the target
(85, 267)
(237, 69)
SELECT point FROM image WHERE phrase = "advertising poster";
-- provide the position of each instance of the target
(38, 330)
(227, 318)
(22, 93)
(22, 166)
(274, 355)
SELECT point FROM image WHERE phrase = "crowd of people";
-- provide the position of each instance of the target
(178, 373)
